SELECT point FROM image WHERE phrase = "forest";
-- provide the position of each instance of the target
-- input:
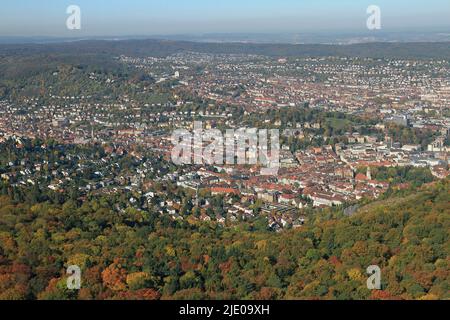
(140, 255)
(162, 48)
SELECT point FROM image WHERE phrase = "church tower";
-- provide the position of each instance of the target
(369, 173)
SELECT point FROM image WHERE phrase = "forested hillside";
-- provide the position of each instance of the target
(163, 48)
(140, 255)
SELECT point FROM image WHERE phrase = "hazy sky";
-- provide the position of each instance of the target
(155, 17)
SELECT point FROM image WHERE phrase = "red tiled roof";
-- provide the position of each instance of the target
(224, 190)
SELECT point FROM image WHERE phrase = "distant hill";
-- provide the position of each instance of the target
(421, 50)
(139, 255)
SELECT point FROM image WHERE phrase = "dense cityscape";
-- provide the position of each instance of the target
(347, 118)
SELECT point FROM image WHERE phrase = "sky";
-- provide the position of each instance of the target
(166, 17)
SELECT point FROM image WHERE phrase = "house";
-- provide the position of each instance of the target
(268, 196)
(223, 190)
(326, 199)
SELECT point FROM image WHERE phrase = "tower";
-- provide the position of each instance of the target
(388, 140)
(369, 173)
(197, 202)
